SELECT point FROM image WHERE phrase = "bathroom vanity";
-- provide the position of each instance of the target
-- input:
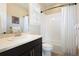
(24, 45)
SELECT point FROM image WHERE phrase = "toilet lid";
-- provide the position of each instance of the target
(47, 47)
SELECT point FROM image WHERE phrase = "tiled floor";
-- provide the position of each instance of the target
(78, 52)
(57, 54)
(61, 54)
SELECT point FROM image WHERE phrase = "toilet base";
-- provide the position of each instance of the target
(46, 53)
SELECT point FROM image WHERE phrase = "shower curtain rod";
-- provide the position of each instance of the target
(59, 6)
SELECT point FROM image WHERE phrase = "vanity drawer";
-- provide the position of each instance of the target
(15, 51)
(25, 48)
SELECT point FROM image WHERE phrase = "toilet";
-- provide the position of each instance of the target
(47, 49)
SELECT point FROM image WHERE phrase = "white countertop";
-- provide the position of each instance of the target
(7, 43)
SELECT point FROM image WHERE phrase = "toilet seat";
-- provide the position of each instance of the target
(47, 47)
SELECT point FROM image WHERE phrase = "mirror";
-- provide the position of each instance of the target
(13, 18)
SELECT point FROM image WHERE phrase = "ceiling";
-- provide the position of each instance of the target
(23, 5)
(42, 5)
(45, 6)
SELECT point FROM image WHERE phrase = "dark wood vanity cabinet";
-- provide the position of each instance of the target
(33, 48)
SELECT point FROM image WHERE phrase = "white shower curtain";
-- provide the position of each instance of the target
(68, 30)
(51, 30)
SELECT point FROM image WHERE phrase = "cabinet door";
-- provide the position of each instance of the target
(26, 54)
(37, 51)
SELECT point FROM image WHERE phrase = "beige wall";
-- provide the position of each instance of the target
(15, 10)
(34, 18)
